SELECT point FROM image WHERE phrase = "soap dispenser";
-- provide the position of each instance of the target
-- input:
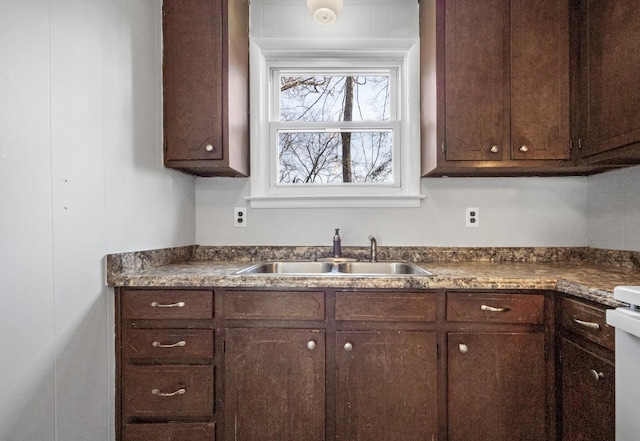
(337, 244)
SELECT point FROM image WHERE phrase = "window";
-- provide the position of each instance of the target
(337, 129)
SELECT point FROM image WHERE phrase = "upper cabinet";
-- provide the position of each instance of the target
(609, 85)
(206, 86)
(503, 80)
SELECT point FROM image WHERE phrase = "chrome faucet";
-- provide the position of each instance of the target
(374, 249)
(337, 244)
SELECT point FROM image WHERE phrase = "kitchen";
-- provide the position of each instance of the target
(82, 177)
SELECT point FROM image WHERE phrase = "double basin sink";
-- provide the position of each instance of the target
(354, 268)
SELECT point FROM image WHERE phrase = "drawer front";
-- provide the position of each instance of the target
(271, 305)
(588, 321)
(395, 307)
(167, 304)
(168, 391)
(495, 308)
(168, 343)
(170, 432)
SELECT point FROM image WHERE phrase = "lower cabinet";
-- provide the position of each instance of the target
(496, 387)
(274, 384)
(587, 372)
(347, 365)
(386, 385)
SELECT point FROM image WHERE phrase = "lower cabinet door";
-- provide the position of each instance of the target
(170, 432)
(386, 386)
(274, 385)
(588, 395)
(496, 387)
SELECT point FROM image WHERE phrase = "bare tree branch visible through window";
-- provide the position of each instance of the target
(320, 156)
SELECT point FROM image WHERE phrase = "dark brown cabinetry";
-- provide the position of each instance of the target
(275, 384)
(206, 86)
(498, 376)
(587, 372)
(325, 364)
(386, 377)
(503, 106)
(274, 368)
(166, 365)
(610, 61)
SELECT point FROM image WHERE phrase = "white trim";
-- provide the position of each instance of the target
(406, 190)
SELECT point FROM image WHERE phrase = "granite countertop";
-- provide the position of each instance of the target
(583, 272)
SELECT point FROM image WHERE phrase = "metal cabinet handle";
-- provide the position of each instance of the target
(170, 305)
(590, 325)
(463, 348)
(495, 149)
(311, 345)
(170, 394)
(524, 149)
(208, 148)
(348, 347)
(493, 309)
(157, 344)
(596, 375)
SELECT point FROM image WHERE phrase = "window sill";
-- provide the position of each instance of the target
(333, 201)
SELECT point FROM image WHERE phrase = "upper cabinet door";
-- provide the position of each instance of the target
(206, 132)
(540, 79)
(475, 52)
(192, 63)
(610, 57)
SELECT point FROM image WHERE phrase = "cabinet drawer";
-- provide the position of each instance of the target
(587, 321)
(167, 304)
(170, 432)
(271, 305)
(168, 343)
(168, 391)
(495, 308)
(395, 307)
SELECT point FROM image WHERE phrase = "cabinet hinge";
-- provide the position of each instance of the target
(570, 144)
(444, 146)
(164, 145)
(579, 143)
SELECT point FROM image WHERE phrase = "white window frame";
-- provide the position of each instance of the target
(405, 189)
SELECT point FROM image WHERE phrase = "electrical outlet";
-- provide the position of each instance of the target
(472, 217)
(240, 217)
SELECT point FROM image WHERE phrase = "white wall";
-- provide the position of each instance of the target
(80, 177)
(513, 212)
(614, 209)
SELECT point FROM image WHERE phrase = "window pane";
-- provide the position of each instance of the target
(334, 98)
(334, 157)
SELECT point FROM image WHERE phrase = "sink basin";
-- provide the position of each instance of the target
(336, 269)
(288, 267)
(385, 267)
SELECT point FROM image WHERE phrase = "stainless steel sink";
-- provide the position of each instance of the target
(288, 267)
(336, 268)
(385, 267)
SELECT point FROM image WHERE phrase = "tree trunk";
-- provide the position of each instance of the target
(346, 137)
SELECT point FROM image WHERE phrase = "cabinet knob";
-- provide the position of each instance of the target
(463, 348)
(311, 345)
(348, 347)
(596, 375)
(495, 149)
(208, 148)
(524, 149)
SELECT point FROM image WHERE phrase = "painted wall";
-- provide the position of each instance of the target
(613, 210)
(80, 176)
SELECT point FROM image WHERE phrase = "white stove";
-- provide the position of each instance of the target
(626, 320)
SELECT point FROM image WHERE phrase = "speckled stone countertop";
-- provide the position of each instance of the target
(583, 272)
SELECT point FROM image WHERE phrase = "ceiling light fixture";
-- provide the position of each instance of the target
(325, 11)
